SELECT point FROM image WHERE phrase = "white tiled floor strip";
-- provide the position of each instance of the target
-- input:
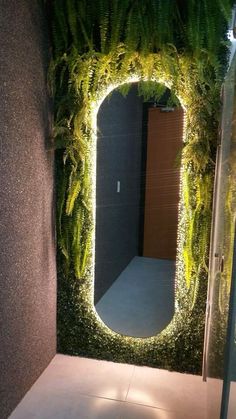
(81, 388)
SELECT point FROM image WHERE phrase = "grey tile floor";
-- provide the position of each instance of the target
(81, 388)
(141, 301)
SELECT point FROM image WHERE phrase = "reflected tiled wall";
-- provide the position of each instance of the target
(117, 213)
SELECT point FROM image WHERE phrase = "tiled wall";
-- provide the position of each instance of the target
(119, 150)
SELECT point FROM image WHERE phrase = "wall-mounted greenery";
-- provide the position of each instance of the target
(98, 45)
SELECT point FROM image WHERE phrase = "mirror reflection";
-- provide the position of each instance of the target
(137, 198)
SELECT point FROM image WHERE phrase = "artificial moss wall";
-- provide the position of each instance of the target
(97, 47)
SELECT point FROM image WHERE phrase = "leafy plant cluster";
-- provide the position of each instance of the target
(176, 44)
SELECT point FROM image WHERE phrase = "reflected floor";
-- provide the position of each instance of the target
(141, 301)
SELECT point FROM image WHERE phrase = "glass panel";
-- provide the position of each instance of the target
(221, 255)
(229, 390)
(229, 404)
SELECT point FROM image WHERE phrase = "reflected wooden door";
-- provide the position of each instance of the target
(164, 141)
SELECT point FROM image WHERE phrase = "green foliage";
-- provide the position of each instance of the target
(150, 89)
(74, 190)
(103, 43)
(197, 193)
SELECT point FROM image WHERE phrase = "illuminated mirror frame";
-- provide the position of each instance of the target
(80, 329)
(95, 109)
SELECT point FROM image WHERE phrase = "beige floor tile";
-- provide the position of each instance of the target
(83, 407)
(214, 388)
(80, 388)
(232, 401)
(182, 393)
(74, 375)
(135, 411)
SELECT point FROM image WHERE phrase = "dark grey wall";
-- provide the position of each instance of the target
(27, 248)
(117, 214)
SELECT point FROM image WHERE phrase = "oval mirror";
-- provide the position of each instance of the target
(137, 198)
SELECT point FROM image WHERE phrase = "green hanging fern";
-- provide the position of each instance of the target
(74, 190)
(103, 7)
(102, 43)
(72, 21)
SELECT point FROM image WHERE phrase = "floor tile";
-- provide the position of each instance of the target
(81, 388)
(86, 407)
(232, 401)
(214, 395)
(81, 407)
(182, 393)
(67, 375)
(135, 411)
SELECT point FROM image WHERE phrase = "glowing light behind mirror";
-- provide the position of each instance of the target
(180, 234)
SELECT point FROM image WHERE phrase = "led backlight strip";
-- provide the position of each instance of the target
(180, 235)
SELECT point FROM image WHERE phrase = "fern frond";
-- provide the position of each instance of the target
(59, 29)
(72, 21)
(72, 196)
(104, 14)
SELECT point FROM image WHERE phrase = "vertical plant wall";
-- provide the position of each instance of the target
(97, 47)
